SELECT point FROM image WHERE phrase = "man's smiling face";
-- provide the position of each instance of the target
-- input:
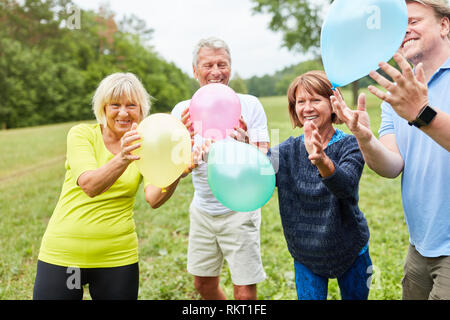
(213, 66)
(424, 33)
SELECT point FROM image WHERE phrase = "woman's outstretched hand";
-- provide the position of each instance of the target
(356, 120)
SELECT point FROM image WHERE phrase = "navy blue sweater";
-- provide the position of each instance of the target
(324, 228)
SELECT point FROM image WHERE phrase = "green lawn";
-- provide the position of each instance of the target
(31, 176)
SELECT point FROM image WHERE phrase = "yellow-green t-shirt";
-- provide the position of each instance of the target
(94, 232)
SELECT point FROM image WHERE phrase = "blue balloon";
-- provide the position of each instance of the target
(240, 176)
(358, 34)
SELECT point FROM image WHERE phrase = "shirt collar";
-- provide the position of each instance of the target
(338, 135)
(439, 71)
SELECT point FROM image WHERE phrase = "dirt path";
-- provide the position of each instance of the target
(32, 169)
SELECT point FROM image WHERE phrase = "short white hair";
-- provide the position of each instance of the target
(211, 42)
(116, 87)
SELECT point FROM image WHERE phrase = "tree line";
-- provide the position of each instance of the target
(278, 83)
(52, 59)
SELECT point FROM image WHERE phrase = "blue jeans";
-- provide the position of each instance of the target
(354, 283)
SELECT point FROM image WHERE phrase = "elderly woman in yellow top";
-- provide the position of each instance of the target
(91, 237)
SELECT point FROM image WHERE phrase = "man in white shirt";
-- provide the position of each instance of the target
(217, 233)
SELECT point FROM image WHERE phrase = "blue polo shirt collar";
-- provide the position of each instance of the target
(444, 67)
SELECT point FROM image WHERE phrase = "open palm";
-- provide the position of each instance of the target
(356, 120)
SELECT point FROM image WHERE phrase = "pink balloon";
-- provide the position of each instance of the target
(215, 110)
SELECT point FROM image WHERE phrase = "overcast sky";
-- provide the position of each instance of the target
(179, 24)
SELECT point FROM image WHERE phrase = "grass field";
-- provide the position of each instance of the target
(31, 176)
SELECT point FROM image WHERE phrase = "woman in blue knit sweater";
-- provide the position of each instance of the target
(318, 175)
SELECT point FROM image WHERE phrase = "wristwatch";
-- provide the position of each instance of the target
(426, 115)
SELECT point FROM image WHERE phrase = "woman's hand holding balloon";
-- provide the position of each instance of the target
(198, 154)
(127, 146)
(95, 182)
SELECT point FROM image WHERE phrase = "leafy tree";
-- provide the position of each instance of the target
(278, 83)
(49, 72)
(134, 25)
(289, 74)
(262, 86)
(298, 20)
(238, 84)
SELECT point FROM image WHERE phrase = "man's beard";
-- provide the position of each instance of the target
(416, 59)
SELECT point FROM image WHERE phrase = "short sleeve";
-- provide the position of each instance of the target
(257, 125)
(179, 108)
(387, 120)
(80, 150)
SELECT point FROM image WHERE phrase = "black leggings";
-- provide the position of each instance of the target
(65, 283)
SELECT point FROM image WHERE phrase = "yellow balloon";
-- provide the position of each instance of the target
(165, 150)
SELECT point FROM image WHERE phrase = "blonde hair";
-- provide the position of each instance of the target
(116, 87)
(440, 7)
(313, 82)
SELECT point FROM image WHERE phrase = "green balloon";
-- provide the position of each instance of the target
(240, 176)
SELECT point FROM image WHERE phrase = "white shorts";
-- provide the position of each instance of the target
(234, 237)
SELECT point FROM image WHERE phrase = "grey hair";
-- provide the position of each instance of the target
(211, 42)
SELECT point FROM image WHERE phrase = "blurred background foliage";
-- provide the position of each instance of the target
(53, 56)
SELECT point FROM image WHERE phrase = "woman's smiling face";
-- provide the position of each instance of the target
(120, 116)
(313, 107)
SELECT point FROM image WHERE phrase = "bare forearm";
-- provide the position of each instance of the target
(156, 197)
(383, 160)
(439, 130)
(98, 181)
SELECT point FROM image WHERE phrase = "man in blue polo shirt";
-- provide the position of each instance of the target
(415, 141)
